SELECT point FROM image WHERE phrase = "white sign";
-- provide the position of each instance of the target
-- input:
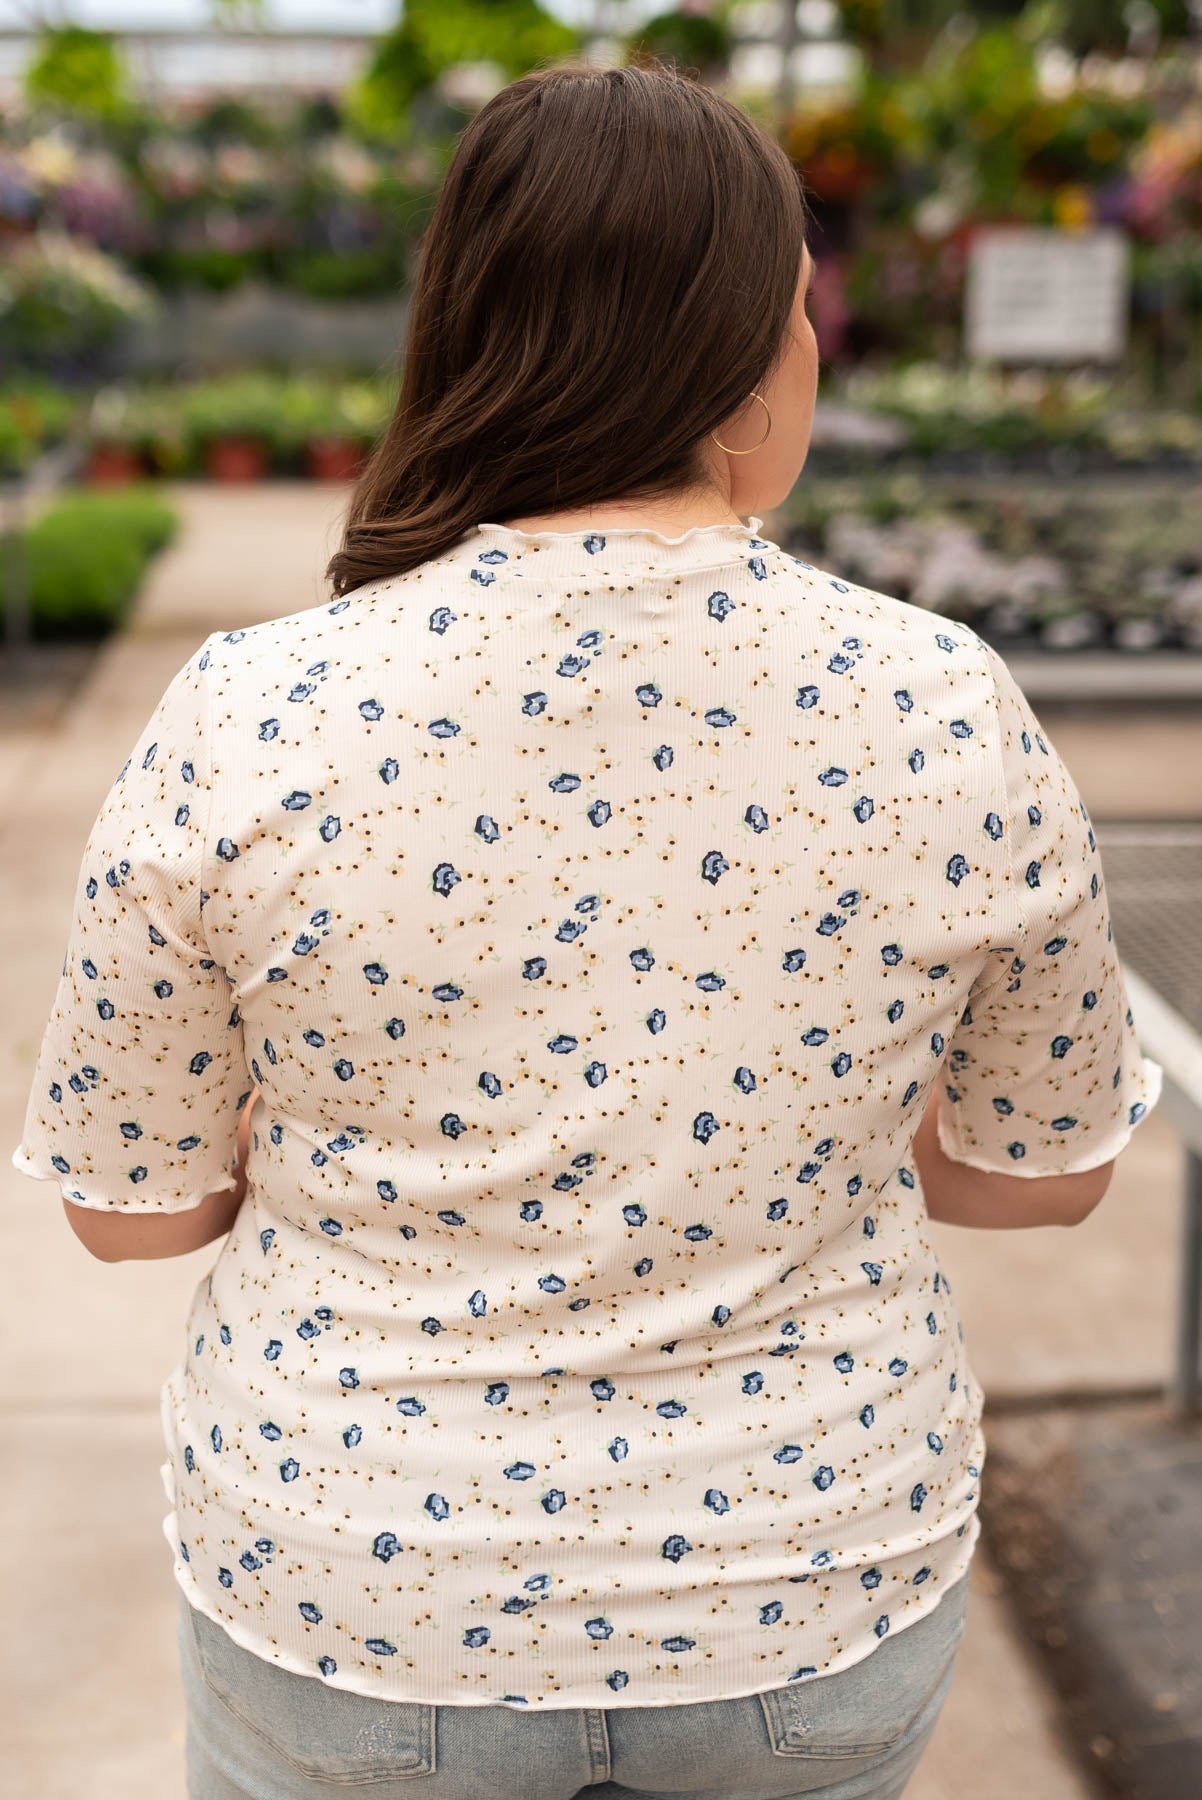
(1042, 296)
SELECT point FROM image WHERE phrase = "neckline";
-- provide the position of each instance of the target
(600, 534)
(621, 553)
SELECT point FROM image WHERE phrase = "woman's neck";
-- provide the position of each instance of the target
(672, 515)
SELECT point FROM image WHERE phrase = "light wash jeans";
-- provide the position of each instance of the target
(259, 1732)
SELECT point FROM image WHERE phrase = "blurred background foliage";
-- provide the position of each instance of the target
(900, 30)
(948, 119)
(141, 227)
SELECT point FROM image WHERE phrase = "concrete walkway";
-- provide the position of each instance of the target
(87, 1663)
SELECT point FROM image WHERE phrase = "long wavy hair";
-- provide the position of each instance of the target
(609, 270)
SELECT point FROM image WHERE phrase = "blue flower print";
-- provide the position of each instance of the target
(595, 914)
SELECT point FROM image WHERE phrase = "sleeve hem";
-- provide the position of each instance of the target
(1093, 1157)
(26, 1163)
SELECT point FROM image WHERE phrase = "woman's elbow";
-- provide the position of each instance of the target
(95, 1231)
(1082, 1194)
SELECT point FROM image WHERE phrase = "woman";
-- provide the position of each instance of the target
(617, 938)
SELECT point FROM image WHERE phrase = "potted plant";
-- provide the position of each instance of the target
(132, 432)
(232, 423)
(337, 451)
(325, 427)
(111, 464)
(115, 452)
(333, 458)
(236, 459)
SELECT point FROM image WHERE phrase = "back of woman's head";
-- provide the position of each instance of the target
(609, 271)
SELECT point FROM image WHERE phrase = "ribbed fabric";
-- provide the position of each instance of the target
(596, 914)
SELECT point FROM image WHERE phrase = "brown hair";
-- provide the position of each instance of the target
(609, 270)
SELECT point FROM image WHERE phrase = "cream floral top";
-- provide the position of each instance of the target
(595, 915)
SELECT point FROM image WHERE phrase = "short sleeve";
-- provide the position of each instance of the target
(1044, 1074)
(141, 1074)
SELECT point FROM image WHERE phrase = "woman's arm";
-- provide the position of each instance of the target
(1022, 1092)
(139, 1237)
(957, 1194)
(146, 1010)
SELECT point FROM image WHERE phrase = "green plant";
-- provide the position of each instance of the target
(227, 120)
(62, 301)
(146, 420)
(437, 35)
(16, 448)
(85, 558)
(891, 29)
(209, 267)
(343, 274)
(1073, 556)
(232, 406)
(951, 410)
(985, 118)
(351, 411)
(80, 72)
(33, 415)
(172, 425)
(692, 40)
(142, 514)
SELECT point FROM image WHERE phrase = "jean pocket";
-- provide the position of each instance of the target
(872, 1708)
(325, 1733)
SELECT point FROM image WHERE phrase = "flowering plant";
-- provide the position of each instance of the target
(62, 301)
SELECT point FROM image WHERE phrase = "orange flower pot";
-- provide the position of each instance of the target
(112, 465)
(236, 459)
(333, 459)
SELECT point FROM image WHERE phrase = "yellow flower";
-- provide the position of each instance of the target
(1072, 208)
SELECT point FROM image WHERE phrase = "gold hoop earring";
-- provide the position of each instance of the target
(767, 432)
